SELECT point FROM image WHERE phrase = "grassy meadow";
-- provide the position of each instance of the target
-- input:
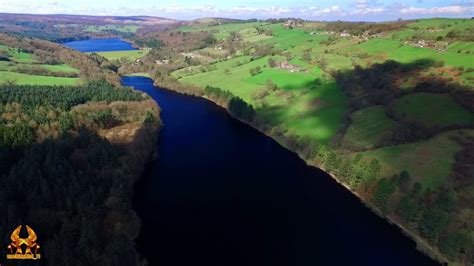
(433, 110)
(26, 79)
(127, 56)
(369, 127)
(21, 66)
(310, 103)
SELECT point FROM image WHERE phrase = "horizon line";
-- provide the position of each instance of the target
(229, 18)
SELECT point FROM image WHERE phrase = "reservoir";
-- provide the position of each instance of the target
(221, 193)
(100, 45)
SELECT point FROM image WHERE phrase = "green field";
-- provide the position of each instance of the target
(141, 74)
(60, 68)
(283, 79)
(25, 79)
(433, 110)
(429, 162)
(10, 71)
(12, 66)
(128, 55)
(19, 56)
(369, 126)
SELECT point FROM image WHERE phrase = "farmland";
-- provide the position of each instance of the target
(127, 56)
(433, 110)
(25, 68)
(391, 97)
(26, 79)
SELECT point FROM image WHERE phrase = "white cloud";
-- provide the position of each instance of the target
(436, 10)
(356, 10)
(365, 7)
(334, 11)
(365, 11)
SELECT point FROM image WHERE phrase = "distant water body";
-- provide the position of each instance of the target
(100, 45)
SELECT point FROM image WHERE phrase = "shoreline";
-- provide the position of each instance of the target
(421, 245)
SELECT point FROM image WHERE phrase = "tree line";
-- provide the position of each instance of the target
(236, 106)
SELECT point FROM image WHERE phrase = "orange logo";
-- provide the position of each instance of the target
(15, 248)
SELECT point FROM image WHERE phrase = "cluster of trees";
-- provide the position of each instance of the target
(259, 51)
(32, 113)
(428, 211)
(75, 192)
(255, 70)
(307, 55)
(74, 187)
(264, 31)
(375, 85)
(151, 43)
(236, 106)
(458, 35)
(272, 62)
(359, 28)
(65, 96)
(269, 88)
(241, 109)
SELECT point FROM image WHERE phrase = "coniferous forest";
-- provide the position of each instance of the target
(65, 176)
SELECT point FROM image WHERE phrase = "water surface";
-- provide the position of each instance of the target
(100, 45)
(221, 193)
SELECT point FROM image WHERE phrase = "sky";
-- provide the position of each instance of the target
(349, 10)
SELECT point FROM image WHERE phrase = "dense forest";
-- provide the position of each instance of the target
(67, 175)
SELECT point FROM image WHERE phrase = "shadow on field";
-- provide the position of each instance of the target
(381, 84)
(320, 113)
(309, 84)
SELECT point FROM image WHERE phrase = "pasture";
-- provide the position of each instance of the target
(26, 79)
(22, 63)
(369, 127)
(429, 162)
(432, 110)
(128, 55)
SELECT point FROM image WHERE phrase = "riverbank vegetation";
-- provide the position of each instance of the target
(385, 107)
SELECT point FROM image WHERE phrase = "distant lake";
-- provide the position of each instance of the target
(100, 45)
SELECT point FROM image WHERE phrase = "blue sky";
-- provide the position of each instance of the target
(353, 10)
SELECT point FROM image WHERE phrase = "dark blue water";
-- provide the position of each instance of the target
(100, 45)
(221, 193)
